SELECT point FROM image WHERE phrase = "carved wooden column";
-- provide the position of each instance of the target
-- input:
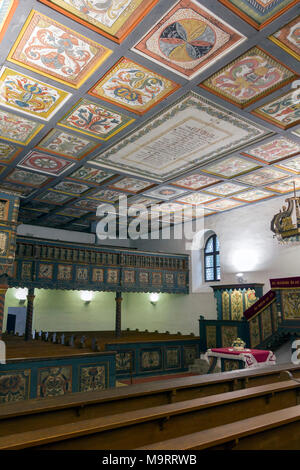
(118, 313)
(3, 289)
(29, 314)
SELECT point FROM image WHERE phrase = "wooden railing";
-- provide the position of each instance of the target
(262, 320)
(49, 264)
(57, 251)
(275, 317)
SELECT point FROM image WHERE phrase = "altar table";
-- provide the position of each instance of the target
(232, 359)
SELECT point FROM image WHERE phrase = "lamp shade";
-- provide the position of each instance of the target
(86, 295)
(21, 293)
(154, 297)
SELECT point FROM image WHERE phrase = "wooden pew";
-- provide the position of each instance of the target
(32, 414)
(35, 349)
(103, 337)
(278, 430)
(145, 426)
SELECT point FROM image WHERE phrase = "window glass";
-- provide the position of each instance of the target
(209, 245)
(212, 259)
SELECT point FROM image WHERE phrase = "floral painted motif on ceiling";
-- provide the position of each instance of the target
(284, 111)
(250, 77)
(259, 13)
(132, 86)
(66, 144)
(97, 121)
(30, 96)
(55, 51)
(114, 19)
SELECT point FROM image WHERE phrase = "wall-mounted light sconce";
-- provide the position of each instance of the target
(21, 295)
(240, 278)
(154, 298)
(86, 296)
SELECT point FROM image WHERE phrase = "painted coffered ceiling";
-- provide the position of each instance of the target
(166, 102)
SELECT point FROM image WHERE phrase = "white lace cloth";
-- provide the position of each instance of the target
(246, 355)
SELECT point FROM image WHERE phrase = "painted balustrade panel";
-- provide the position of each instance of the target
(263, 325)
(155, 357)
(255, 331)
(287, 292)
(53, 265)
(289, 301)
(40, 378)
(57, 251)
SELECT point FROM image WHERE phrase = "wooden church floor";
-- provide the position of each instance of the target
(17, 347)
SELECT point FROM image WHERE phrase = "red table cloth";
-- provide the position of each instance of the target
(251, 357)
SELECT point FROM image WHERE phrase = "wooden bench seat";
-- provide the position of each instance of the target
(133, 428)
(17, 348)
(34, 414)
(278, 430)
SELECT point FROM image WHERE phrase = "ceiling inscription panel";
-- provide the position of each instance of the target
(187, 135)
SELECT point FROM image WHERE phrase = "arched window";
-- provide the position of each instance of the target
(212, 259)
